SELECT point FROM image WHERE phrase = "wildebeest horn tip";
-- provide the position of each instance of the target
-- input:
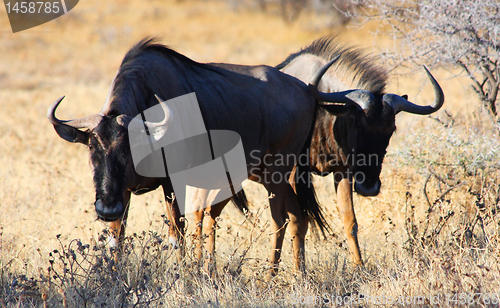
(51, 112)
(400, 103)
(159, 99)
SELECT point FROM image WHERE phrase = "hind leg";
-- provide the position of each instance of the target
(201, 204)
(283, 193)
(210, 225)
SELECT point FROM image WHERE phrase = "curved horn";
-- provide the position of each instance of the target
(89, 122)
(69, 130)
(125, 120)
(317, 77)
(156, 129)
(362, 99)
(166, 111)
(399, 103)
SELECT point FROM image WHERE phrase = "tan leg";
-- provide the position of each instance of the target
(205, 225)
(343, 186)
(176, 221)
(298, 228)
(200, 205)
(209, 213)
(117, 230)
(209, 229)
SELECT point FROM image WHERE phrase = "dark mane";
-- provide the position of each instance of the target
(359, 67)
(137, 79)
(151, 44)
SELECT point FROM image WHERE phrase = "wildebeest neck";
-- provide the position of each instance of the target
(357, 144)
(325, 153)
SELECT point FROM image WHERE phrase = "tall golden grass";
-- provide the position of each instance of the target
(432, 232)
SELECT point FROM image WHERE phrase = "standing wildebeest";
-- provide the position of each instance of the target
(271, 111)
(352, 145)
(357, 142)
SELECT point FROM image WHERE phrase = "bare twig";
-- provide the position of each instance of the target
(445, 33)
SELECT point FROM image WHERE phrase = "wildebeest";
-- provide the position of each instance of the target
(357, 142)
(271, 111)
(351, 146)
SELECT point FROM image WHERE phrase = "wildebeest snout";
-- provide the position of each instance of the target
(368, 188)
(107, 212)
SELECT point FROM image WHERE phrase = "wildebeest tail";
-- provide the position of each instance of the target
(304, 188)
(240, 201)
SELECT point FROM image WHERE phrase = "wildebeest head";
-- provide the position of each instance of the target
(110, 156)
(363, 133)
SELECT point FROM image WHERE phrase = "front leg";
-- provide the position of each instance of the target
(343, 186)
(298, 229)
(117, 230)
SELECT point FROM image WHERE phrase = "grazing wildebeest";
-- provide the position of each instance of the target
(351, 146)
(271, 111)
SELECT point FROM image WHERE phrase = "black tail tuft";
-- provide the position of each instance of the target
(240, 201)
(306, 194)
(304, 188)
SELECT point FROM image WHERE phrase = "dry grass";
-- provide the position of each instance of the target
(46, 192)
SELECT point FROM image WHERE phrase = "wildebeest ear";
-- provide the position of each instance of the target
(123, 120)
(405, 96)
(71, 134)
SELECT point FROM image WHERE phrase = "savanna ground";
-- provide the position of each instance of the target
(429, 239)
